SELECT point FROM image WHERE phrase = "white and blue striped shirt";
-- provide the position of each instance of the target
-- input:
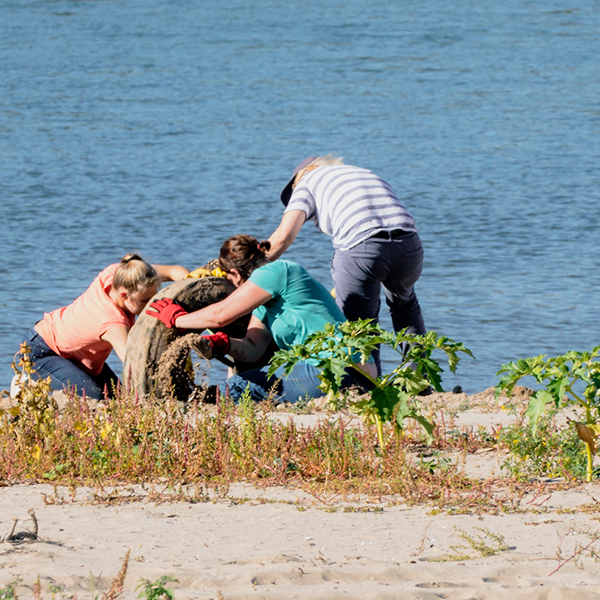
(349, 204)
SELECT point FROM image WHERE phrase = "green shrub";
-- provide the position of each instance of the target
(338, 348)
(549, 452)
(571, 380)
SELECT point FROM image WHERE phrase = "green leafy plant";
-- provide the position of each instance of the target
(571, 380)
(484, 544)
(9, 591)
(550, 451)
(156, 590)
(339, 348)
(479, 545)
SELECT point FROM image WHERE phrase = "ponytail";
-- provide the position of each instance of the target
(243, 253)
(134, 274)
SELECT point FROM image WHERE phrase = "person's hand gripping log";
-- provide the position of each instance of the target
(219, 342)
(167, 311)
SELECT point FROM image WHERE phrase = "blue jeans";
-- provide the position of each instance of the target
(359, 274)
(65, 373)
(302, 382)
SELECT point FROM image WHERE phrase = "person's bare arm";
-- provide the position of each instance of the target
(171, 272)
(117, 338)
(253, 346)
(241, 302)
(281, 239)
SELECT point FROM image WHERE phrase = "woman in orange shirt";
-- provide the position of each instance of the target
(71, 344)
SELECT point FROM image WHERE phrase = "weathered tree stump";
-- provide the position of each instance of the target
(156, 356)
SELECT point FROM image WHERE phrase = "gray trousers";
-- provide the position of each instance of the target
(395, 264)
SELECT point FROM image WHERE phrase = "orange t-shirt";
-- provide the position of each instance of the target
(74, 331)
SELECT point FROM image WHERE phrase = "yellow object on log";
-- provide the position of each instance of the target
(204, 272)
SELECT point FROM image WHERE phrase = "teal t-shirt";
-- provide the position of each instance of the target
(300, 305)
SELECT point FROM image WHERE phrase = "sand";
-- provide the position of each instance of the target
(277, 542)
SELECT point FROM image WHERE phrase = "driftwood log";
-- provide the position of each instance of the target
(156, 357)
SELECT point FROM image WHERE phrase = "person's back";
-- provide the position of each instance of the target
(299, 306)
(349, 204)
(75, 331)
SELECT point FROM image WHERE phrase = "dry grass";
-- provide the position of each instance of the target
(116, 587)
(129, 441)
(183, 447)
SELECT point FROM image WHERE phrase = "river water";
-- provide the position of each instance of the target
(166, 127)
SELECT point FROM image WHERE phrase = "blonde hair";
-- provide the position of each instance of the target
(328, 159)
(320, 161)
(135, 275)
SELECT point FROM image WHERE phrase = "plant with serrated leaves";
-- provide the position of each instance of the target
(156, 590)
(338, 348)
(571, 380)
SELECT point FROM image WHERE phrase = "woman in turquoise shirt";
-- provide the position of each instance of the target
(287, 305)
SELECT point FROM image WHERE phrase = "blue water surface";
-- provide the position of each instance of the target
(166, 127)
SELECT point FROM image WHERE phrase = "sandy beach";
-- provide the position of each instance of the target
(279, 542)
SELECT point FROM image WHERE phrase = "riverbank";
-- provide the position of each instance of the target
(286, 543)
(239, 541)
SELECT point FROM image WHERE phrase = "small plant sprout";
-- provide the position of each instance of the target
(156, 590)
(9, 591)
(338, 348)
(569, 381)
(484, 544)
(552, 452)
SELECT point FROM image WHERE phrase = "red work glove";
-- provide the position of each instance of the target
(167, 311)
(219, 342)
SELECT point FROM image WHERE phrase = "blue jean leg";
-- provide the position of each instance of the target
(302, 381)
(255, 380)
(357, 282)
(64, 373)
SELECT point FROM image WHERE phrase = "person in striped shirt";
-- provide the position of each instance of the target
(375, 239)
